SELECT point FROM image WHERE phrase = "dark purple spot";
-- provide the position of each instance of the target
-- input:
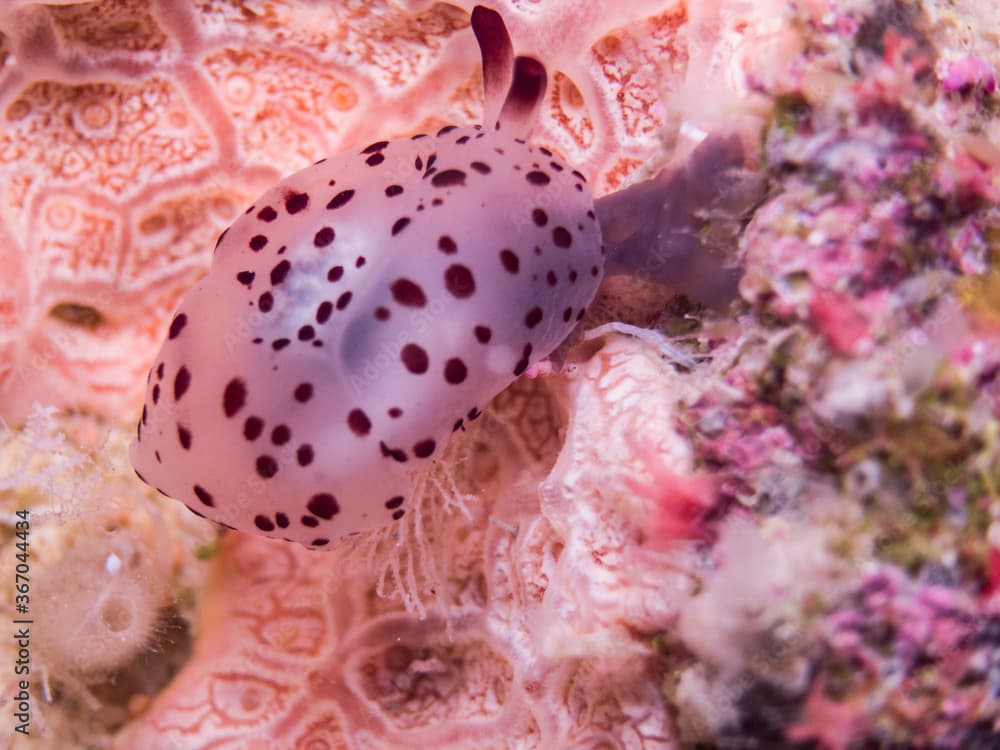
(424, 448)
(394, 502)
(374, 160)
(279, 344)
(253, 427)
(567, 314)
(463, 140)
(510, 261)
(455, 371)
(578, 176)
(414, 359)
(550, 277)
(263, 523)
(459, 424)
(320, 542)
(184, 436)
(537, 178)
(335, 273)
(181, 382)
(594, 271)
(156, 394)
(539, 217)
(303, 392)
(359, 423)
(382, 313)
(561, 237)
(545, 150)
(448, 178)
(279, 272)
(360, 261)
(534, 317)
(265, 302)
(204, 496)
(295, 202)
(397, 514)
(340, 199)
(306, 333)
(572, 275)
(447, 245)
(267, 214)
(246, 277)
(267, 467)
(310, 521)
(556, 166)
(396, 454)
(407, 293)
(377, 146)
(323, 505)
(304, 455)
(395, 412)
(257, 242)
(400, 225)
(418, 163)
(446, 129)
(459, 281)
(281, 519)
(159, 371)
(177, 325)
(483, 334)
(323, 237)
(343, 300)
(480, 167)
(324, 311)
(234, 396)
(281, 434)
(473, 413)
(393, 190)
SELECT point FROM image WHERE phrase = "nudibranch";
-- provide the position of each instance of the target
(362, 310)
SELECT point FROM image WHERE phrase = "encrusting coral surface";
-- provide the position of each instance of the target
(776, 525)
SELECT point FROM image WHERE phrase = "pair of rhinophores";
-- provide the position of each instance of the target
(368, 306)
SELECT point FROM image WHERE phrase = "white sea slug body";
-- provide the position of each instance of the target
(361, 310)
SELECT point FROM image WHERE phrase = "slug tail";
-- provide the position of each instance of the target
(680, 228)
